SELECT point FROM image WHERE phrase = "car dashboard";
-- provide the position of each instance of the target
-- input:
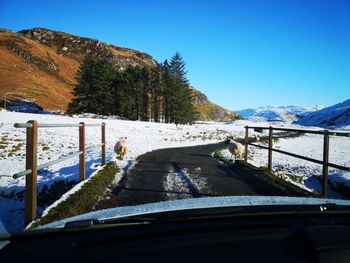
(260, 238)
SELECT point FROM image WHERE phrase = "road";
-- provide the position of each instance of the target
(186, 172)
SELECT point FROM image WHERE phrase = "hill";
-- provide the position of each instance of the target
(39, 65)
(336, 116)
(210, 111)
(278, 113)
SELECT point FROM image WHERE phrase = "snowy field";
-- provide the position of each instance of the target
(304, 173)
(57, 142)
(143, 137)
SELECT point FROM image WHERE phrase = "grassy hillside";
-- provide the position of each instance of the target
(40, 65)
(34, 71)
(210, 111)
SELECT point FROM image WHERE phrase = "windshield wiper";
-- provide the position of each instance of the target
(211, 213)
(81, 223)
(87, 223)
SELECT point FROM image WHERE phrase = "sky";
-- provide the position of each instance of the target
(241, 54)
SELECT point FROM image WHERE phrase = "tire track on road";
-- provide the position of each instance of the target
(178, 173)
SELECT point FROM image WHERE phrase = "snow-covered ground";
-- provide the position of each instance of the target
(56, 142)
(304, 173)
(182, 184)
(143, 137)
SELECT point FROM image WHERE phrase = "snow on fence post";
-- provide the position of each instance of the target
(246, 144)
(103, 135)
(269, 164)
(31, 178)
(82, 168)
(325, 164)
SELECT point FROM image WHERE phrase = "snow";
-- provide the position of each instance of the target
(57, 142)
(194, 203)
(142, 136)
(278, 113)
(305, 174)
(184, 183)
(175, 187)
(336, 116)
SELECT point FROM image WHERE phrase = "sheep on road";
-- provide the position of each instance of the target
(121, 147)
(235, 148)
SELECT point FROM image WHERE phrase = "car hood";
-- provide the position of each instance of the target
(194, 203)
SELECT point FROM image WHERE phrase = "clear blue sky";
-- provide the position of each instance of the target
(241, 54)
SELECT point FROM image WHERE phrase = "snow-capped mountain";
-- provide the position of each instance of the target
(336, 116)
(278, 113)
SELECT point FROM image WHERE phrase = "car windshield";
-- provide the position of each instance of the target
(110, 109)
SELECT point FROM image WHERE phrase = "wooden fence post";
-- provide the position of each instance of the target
(325, 164)
(246, 145)
(269, 164)
(103, 135)
(82, 168)
(31, 179)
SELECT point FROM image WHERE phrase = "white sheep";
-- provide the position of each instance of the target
(235, 148)
(121, 147)
(257, 138)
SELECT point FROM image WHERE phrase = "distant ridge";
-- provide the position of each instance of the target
(278, 113)
(336, 116)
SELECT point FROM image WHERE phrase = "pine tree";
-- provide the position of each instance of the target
(168, 93)
(156, 92)
(131, 109)
(103, 85)
(81, 92)
(119, 93)
(183, 111)
(93, 93)
(145, 93)
(178, 68)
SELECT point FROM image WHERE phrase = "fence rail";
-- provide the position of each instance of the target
(42, 166)
(325, 161)
(31, 158)
(53, 125)
(332, 133)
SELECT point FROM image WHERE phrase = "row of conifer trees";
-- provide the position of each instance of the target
(159, 93)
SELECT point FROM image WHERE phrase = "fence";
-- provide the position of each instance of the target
(32, 165)
(325, 162)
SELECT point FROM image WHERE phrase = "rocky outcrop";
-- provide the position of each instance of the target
(77, 47)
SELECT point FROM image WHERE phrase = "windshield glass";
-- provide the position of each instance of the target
(117, 104)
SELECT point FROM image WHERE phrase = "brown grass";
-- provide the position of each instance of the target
(27, 80)
(207, 109)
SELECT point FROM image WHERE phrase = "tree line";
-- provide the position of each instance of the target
(160, 93)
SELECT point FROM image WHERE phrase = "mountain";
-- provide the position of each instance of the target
(209, 111)
(278, 113)
(336, 116)
(39, 66)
